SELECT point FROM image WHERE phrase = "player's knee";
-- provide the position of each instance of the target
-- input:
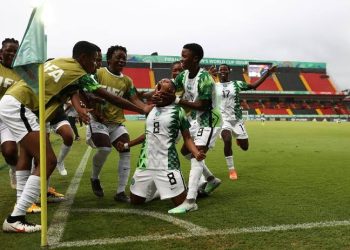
(68, 140)
(52, 161)
(178, 200)
(104, 150)
(67, 135)
(184, 151)
(226, 135)
(227, 141)
(10, 156)
(244, 146)
(136, 200)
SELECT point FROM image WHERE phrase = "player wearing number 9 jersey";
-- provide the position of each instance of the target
(197, 86)
(227, 98)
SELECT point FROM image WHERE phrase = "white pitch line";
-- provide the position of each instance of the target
(194, 229)
(282, 227)
(59, 219)
(185, 235)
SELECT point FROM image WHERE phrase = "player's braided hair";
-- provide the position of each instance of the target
(9, 40)
(111, 50)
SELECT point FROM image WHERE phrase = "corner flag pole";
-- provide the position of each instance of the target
(29, 65)
(43, 181)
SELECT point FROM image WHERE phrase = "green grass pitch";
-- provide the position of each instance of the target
(294, 173)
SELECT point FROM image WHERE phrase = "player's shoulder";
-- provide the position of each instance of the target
(204, 73)
(2, 67)
(101, 71)
(180, 78)
(127, 78)
(205, 76)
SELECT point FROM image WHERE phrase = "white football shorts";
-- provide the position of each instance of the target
(169, 183)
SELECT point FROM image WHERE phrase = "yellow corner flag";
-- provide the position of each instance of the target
(29, 64)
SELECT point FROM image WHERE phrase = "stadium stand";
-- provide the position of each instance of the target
(142, 77)
(318, 82)
(269, 84)
(274, 111)
(304, 111)
(161, 70)
(296, 91)
(290, 80)
(236, 73)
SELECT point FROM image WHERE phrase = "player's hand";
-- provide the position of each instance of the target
(200, 156)
(141, 94)
(147, 108)
(82, 104)
(156, 99)
(120, 146)
(98, 116)
(168, 96)
(84, 114)
(213, 71)
(272, 69)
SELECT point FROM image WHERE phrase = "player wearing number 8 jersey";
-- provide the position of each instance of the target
(159, 164)
(227, 98)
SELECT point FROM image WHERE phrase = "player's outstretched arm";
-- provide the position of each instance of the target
(269, 72)
(201, 105)
(82, 111)
(213, 71)
(136, 100)
(146, 95)
(199, 155)
(123, 146)
(121, 102)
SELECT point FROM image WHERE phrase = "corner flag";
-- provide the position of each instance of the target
(29, 65)
(32, 50)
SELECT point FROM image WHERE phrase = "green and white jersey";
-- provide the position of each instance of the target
(201, 87)
(227, 99)
(158, 151)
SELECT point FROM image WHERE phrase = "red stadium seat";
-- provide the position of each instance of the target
(318, 83)
(140, 76)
